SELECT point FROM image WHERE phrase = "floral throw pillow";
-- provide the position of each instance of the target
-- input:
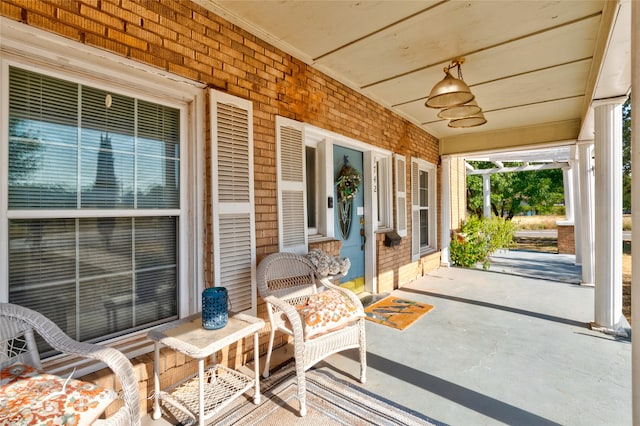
(29, 396)
(327, 311)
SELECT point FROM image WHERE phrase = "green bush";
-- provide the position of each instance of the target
(478, 238)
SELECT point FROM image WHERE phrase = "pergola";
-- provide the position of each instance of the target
(548, 75)
(530, 160)
(578, 179)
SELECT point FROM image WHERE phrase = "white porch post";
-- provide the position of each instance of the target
(486, 195)
(635, 208)
(608, 209)
(567, 180)
(577, 219)
(445, 228)
(585, 151)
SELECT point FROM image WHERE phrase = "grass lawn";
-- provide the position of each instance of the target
(549, 222)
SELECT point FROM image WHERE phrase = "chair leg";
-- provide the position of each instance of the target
(267, 360)
(363, 353)
(302, 387)
(363, 365)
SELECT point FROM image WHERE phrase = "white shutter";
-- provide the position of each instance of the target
(415, 210)
(292, 206)
(401, 195)
(234, 239)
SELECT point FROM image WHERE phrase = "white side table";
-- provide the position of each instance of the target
(204, 395)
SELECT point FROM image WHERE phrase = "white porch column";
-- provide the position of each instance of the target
(567, 180)
(608, 214)
(445, 213)
(635, 209)
(585, 153)
(486, 195)
(577, 217)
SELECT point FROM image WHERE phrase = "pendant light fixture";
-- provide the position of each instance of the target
(454, 99)
(460, 111)
(450, 91)
(471, 121)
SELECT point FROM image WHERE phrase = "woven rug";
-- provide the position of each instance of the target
(395, 312)
(330, 401)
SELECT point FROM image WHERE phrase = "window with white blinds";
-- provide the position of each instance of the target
(423, 202)
(233, 210)
(94, 203)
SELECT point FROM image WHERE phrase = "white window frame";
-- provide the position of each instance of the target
(324, 183)
(33, 49)
(421, 165)
(313, 231)
(381, 181)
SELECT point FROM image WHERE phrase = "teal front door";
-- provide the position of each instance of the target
(349, 214)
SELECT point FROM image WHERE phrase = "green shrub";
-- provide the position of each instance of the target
(478, 238)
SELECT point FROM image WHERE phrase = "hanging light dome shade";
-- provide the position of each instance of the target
(472, 121)
(449, 92)
(460, 111)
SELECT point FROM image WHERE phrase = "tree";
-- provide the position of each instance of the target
(105, 187)
(25, 151)
(516, 192)
(626, 155)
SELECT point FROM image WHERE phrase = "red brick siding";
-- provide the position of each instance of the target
(188, 40)
(566, 239)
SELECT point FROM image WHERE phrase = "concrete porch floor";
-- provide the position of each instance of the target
(497, 349)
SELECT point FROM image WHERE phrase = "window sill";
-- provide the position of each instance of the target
(383, 230)
(317, 238)
(427, 252)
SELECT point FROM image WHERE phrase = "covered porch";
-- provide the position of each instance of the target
(496, 349)
(330, 74)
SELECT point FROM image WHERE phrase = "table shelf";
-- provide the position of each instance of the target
(221, 386)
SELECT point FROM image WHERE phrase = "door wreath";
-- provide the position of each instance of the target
(347, 183)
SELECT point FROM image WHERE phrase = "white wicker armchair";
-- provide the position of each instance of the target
(17, 324)
(286, 280)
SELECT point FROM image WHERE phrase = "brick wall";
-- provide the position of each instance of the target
(331, 247)
(188, 40)
(386, 262)
(566, 239)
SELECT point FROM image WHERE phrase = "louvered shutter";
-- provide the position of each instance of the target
(234, 238)
(401, 196)
(290, 160)
(415, 210)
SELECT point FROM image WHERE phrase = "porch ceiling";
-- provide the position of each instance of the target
(529, 63)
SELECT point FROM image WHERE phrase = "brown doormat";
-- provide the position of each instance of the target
(395, 312)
